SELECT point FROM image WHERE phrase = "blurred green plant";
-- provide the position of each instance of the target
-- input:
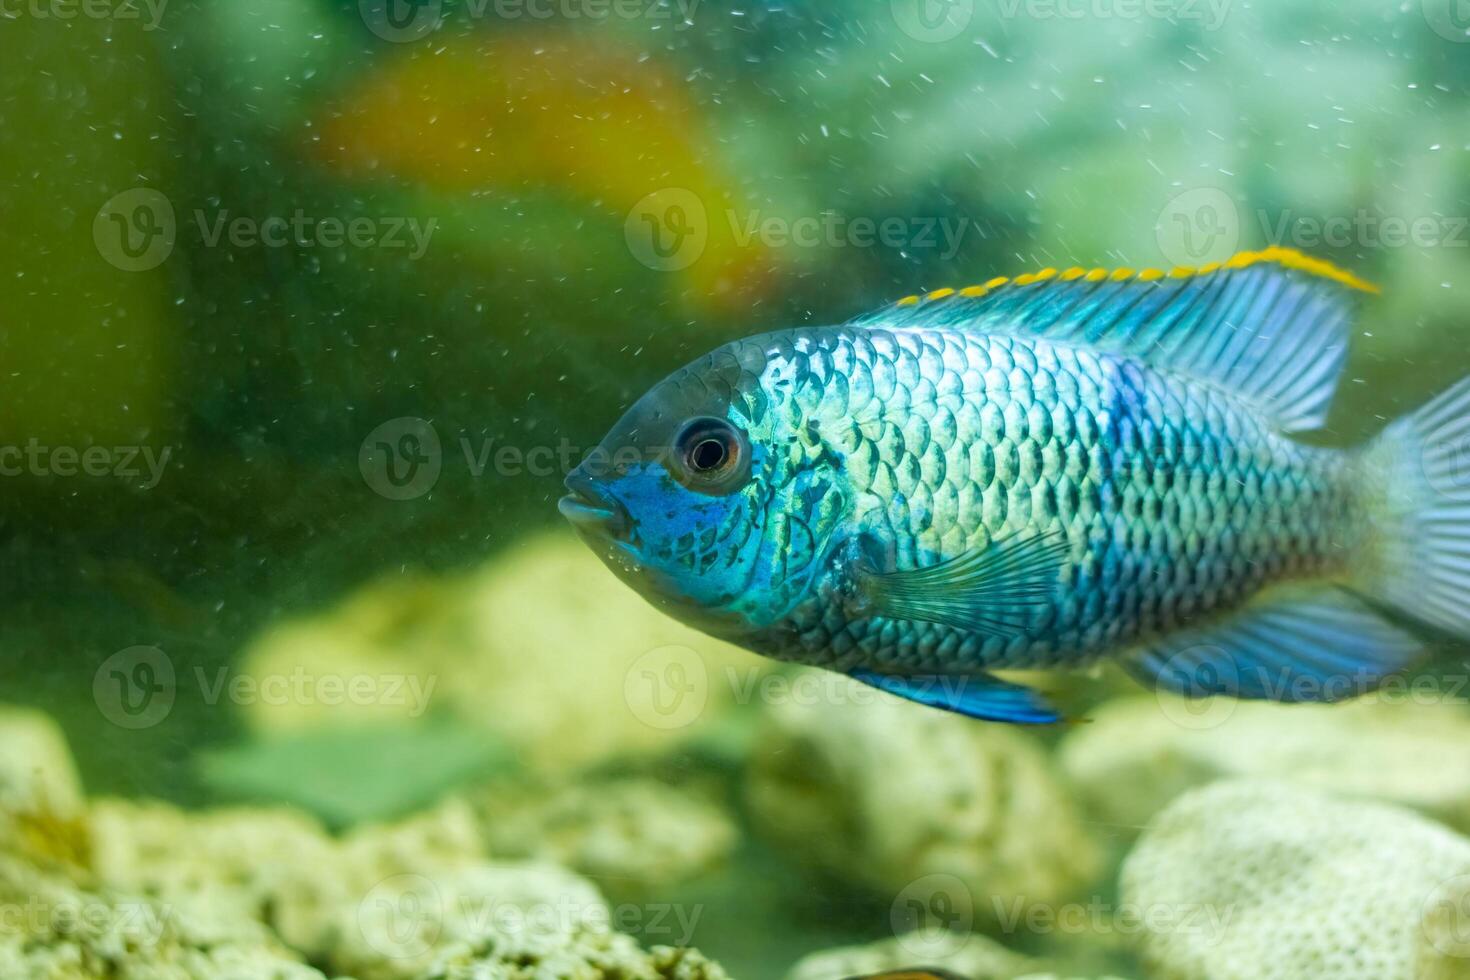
(350, 775)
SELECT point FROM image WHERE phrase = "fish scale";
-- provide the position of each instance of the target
(1163, 523)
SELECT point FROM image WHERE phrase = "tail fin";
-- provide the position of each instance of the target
(1419, 558)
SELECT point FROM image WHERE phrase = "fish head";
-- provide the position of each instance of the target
(697, 499)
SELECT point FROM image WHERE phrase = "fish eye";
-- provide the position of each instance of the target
(711, 456)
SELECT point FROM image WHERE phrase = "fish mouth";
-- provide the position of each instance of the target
(591, 509)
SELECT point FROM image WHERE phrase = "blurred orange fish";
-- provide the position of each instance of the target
(590, 118)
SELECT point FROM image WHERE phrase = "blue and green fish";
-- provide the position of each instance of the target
(1041, 471)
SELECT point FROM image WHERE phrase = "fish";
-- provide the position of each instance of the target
(1043, 472)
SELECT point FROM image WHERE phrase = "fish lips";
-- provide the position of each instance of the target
(593, 511)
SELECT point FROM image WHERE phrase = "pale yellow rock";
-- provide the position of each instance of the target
(572, 663)
(636, 835)
(277, 866)
(447, 836)
(53, 929)
(405, 923)
(1136, 754)
(587, 955)
(544, 647)
(373, 659)
(917, 804)
(1443, 949)
(252, 893)
(37, 774)
(1255, 880)
(220, 869)
(42, 811)
(973, 957)
(501, 921)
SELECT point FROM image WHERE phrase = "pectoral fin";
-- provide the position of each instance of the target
(976, 695)
(996, 590)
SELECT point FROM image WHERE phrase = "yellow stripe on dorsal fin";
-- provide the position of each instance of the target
(1290, 258)
(1271, 326)
(1286, 258)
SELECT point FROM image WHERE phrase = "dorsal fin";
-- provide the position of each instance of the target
(1270, 326)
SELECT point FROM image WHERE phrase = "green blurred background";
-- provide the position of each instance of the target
(601, 198)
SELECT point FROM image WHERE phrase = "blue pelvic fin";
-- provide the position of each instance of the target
(1312, 644)
(975, 695)
(1270, 326)
(995, 590)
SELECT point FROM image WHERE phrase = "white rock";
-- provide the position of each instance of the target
(911, 802)
(636, 835)
(1136, 754)
(1246, 880)
(972, 957)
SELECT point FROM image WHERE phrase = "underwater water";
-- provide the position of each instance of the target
(308, 308)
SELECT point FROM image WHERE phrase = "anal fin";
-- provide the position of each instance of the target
(1292, 645)
(976, 695)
